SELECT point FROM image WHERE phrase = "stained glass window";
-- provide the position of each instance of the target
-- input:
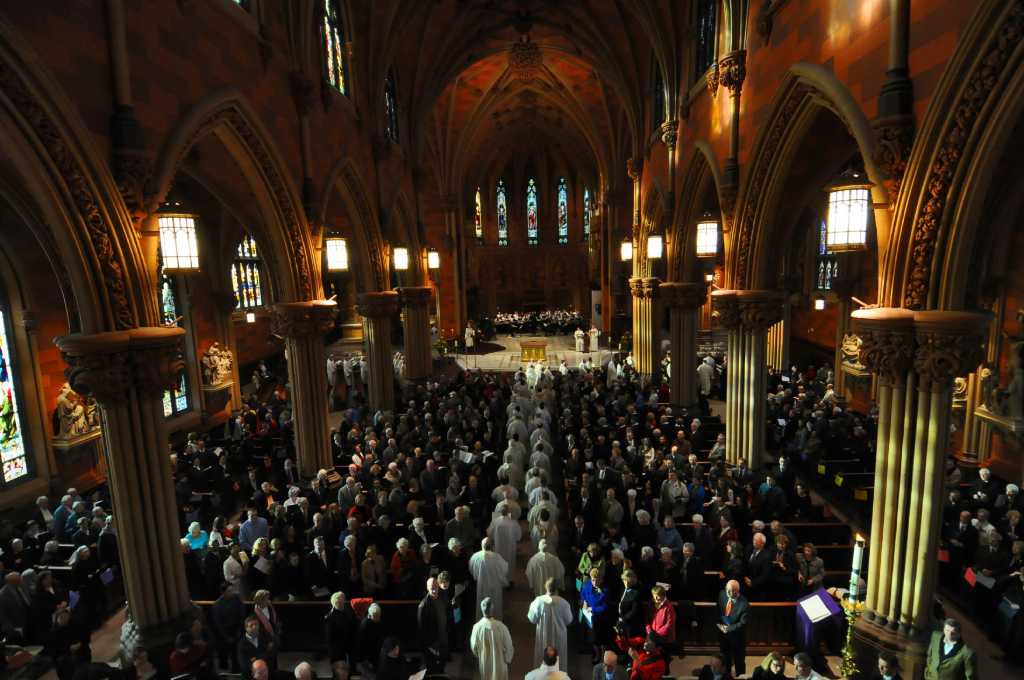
(247, 274)
(176, 401)
(244, 4)
(827, 263)
(563, 212)
(532, 230)
(657, 98)
(586, 214)
(478, 217)
(12, 445)
(334, 46)
(707, 24)
(499, 200)
(390, 108)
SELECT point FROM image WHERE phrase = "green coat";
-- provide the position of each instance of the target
(961, 665)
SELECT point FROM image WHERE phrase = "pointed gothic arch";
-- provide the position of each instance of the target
(346, 184)
(701, 177)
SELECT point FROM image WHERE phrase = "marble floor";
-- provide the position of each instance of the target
(502, 353)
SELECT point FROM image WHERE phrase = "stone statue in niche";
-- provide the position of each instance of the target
(75, 415)
(1008, 401)
(851, 350)
(217, 362)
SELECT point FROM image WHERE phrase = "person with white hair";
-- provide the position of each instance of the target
(542, 566)
(491, 643)
(432, 619)
(304, 671)
(340, 627)
(506, 534)
(490, 571)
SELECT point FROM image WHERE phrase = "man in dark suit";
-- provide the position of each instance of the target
(631, 607)
(580, 537)
(340, 626)
(962, 540)
(609, 668)
(759, 569)
(691, 574)
(254, 645)
(227, 619)
(15, 609)
(733, 615)
(715, 669)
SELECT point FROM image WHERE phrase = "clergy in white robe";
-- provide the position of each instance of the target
(515, 453)
(516, 426)
(544, 510)
(543, 566)
(545, 531)
(506, 534)
(579, 335)
(563, 368)
(491, 643)
(490, 571)
(595, 336)
(551, 614)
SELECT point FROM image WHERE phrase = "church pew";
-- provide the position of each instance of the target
(302, 622)
(771, 627)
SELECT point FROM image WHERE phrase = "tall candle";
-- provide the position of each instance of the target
(858, 561)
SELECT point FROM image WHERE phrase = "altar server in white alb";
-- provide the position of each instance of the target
(552, 615)
(491, 643)
(490, 571)
(506, 534)
(579, 335)
(470, 338)
(595, 337)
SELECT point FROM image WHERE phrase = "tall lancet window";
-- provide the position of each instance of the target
(12, 444)
(532, 230)
(499, 201)
(478, 218)
(176, 401)
(563, 212)
(247, 274)
(706, 31)
(390, 108)
(333, 34)
(828, 264)
(586, 214)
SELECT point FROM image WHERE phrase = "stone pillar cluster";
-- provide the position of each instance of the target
(916, 356)
(646, 325)
(304, 325)
(416, 314)
(377, 310)
(127, 372)
(683, 301)
(747, 315)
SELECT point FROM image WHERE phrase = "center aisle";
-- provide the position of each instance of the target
(516, 604)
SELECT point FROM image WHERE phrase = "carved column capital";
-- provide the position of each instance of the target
(304, 319)
(732, 69)
(887, 343)
(415, 296)
(645, 288)
(633, 168)
(728, 307)
(679, 295)
(670, 133)
(377, 305)
(760, 309)
(712, 78)
(108, 366)
(895, 136)
(949, 345)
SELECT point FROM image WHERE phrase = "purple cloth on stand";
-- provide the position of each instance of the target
(804, 626)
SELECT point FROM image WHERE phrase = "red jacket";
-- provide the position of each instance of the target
(648, 666)
(663, 625)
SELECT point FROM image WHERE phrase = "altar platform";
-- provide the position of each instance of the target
(505, 353)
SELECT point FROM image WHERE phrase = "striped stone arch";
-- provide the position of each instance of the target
(701, 170)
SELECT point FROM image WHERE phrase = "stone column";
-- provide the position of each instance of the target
(303, 325)
(127, 372)
(416, 312)
(778, 341)
(377, 310)
(683, 301)
(917, 356)
(646, 325)
(747, 315)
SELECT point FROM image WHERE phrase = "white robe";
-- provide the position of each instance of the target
(491, 643)
(540, 568)
(551, 615)
(490, 571)
(551, 536)
(594, 339)
(579, 335)
(506, 534)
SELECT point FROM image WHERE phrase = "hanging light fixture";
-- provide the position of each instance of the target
(655, 246)
(401, 256)
(626, 250)
(707, 236)
(849, 205)
(433, 259)
(337, 254)
(250, 317)
(179, 249)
